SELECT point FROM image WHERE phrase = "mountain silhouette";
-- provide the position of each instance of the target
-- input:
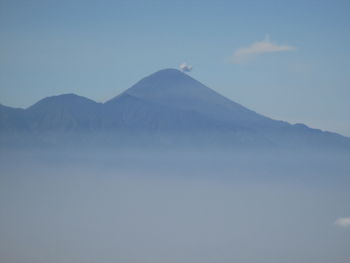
(64, 112)
(167, 104)
(173, 89)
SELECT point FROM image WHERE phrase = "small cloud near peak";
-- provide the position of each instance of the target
(242, 55)
(184, 67)
(343, 222)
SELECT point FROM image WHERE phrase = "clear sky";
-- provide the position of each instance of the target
(288, 60)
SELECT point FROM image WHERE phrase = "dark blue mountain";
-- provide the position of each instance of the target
(63, 113)
(167, 104)
(172, 89)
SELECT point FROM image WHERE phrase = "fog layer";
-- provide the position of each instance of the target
(78, 207)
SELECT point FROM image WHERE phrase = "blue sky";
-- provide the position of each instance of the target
(295, 64)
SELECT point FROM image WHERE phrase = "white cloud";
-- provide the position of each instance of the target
(184, 67)
(265, 46)
(343, 222)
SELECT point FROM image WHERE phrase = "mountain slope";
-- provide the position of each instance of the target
(128, 111)
(12, 119)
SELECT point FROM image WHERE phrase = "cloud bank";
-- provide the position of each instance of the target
(184, 67)
(343, 222)
(241, 55)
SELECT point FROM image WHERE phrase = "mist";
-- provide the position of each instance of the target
(172, 206)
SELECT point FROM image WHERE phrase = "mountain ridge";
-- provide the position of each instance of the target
(167, 102)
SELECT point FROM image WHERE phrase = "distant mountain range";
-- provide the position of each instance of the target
(168, 107)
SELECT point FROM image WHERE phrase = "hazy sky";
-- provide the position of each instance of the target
(289, 60)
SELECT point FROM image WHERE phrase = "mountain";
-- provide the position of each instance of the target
(65, 112)
(167, 106)
(173, 89)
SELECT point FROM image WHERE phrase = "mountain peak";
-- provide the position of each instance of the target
(64, 101)
(174, 89)
(166, 83)
(165, 79)
(168, 72)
